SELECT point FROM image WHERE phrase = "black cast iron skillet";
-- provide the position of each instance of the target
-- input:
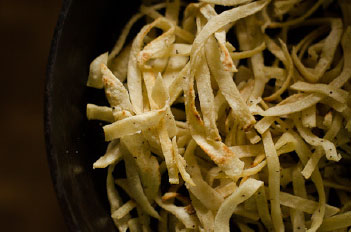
(84, 30)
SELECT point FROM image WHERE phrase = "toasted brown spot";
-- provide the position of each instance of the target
(190, 209)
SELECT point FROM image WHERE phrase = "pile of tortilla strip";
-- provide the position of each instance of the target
(229, 115)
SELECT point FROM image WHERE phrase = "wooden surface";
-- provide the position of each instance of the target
(27, 198)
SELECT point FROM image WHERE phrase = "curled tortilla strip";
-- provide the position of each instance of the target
(112, 155)
(264, 124)
(273, 180)
(283, 7)
(119, 65)
(122, 38)
(227, 86)
(247, 150)
(304, 205)
(297, 216)
(148, 167)
(181, 33)
(309, 137)
(304, 153)
(180, 49)
(176, 87)
(124, 210)
(218, 22)
(181, 163)
(262, 208)
(205, 215)
(209, 12)
(134, 79)
(227, 2)
(330, 135)
(135, 188)
(103, 113)
(293, 107)
(249, 35)
(160, 46)
(338, 94)
(289, 64)
(160, 98)
(248, 53)
(299, 19)
(216, 150)
(172, 11)
(116, 94)
(94, 78)
(133, 225)
(180, 212)
(245, 191)
(115, 200)
(308, 117)
(168, 153)
(327, 54)
(336, 222)
(206, 97)
(202, 190)
(132, 125)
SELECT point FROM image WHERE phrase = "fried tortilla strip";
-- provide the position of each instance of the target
(284, 56)
(248, 53)
(112, 155)
(102, 113)
(160, 46)
(134, 79)
(262, 208)
(216, 150)
(119, 65)
(148, 167)
(116, 94)
(336, 222)
(244, 192)
(250, 35)
(206, 97)
(202, 190)
(227, 86)
(299, 19)
(327, 53)
(181, 33)
(135, 188)
(132, 125)
(181, 163)
(115, 200)
(180, 212)
(205, 215)
(94, 78)
(124, 210)
(273, 180)
(314, 98)
(309, 137)
(227, 2)
(209, 12)
(339, 95)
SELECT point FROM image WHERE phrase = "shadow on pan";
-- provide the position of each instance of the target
(85, 29)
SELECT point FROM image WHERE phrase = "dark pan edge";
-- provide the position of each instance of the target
(55, 172)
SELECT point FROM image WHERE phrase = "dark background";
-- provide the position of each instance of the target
(27, 197)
